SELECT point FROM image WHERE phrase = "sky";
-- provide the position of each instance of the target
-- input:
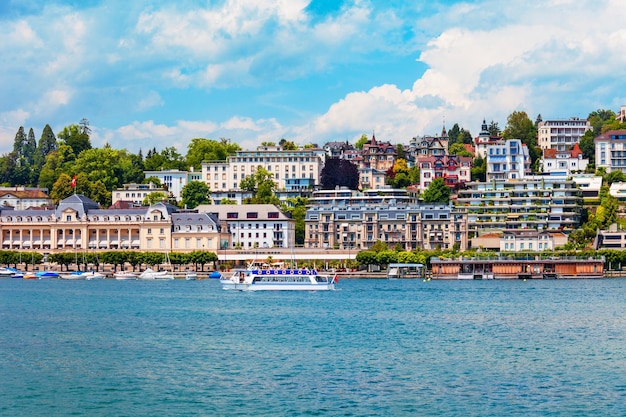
(155, 74)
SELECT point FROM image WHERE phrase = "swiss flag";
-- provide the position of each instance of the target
(74, 181)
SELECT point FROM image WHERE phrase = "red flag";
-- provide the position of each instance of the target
(74, 181)
(336, 279)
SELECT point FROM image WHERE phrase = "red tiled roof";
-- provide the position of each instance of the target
(25, 194)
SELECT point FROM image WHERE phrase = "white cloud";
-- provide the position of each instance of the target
(152, 99)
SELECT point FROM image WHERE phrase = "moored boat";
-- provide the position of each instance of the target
(191, 276)
(124, 275)
(278, 280)
(46, 274)
(150, 274)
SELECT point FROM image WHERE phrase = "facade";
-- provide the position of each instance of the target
(79, 224)
(484, 140)
(359, 226)
(22, 198)
(371, 179)
(455, 170)
(507, 160)
(530, 241)
(536, 203)
(561, 134)
(174, 180)
(135, 193)
(346, 197)
(613, 238)
(377, 155)
(254, 225)
(304, 165)
(611, 150)
(338, 149)
(563, 162)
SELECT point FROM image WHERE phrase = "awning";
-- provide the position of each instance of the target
(69, 242)
(114, 242)
(26, 243)
(16, 242)
(37, 242)
(6, 242)
(60, 242)
(46, 242)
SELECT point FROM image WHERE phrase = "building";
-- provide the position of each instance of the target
(563, 162)
(22, 198)
(345, 197)
(359, 225)
(507, 160)
(531, 240)
(561, 134)
(370, 178)
(254, 225)
(174, 180)
(535, 203)
(613, 238)
(79, 224)
(338, 149)
(136, 193)
(455, 170)
(293, 169)
(611, 150)
(484, 140)
(377, 155)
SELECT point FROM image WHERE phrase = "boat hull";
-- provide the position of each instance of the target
(227, 284)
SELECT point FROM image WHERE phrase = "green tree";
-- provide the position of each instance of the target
(598, 118)
(288, 145)
(587, 146)
(267, 143)
(195, 193)
(201, 149)
(519, 126)
(458, 149)
(400, 151)
(494, 129)
(62, 188)
(111, 166)
(479, 169)
(19, 142)
(296, 208)
(168, 158)
(47, 143)
(76, 137)
(453, 134)
(261, 184)
(153, 198)
(465, 137)
(437, 192)
(55, 164)
(362, 141)
(30, 147)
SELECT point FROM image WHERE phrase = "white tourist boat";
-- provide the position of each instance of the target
(150, 274)
(253, 279)
(191, 276)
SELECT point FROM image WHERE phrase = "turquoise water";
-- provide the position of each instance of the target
(371, 348)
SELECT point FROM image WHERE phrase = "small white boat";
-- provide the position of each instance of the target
(124, 275)
(278, 280)
(191, 276)
(6, 272)
(82, 275)
(94, 275)
(151, 274)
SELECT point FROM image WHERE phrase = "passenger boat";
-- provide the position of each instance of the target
(150, 274)
(398, 271)
(124, 275)
(252, 279)
(191, 276)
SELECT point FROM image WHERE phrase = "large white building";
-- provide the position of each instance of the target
(611, 150)
(563, 162)
(254, 225)
(561, 134)
(292, 170)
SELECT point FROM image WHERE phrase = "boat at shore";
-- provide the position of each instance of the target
(191, 276)
(150, 274)
(82, 275)
(124, 275)
(404, 271)
(252, 279)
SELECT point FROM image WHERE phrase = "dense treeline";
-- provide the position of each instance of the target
(118, 259)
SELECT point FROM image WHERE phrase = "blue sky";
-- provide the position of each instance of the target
(159, 73)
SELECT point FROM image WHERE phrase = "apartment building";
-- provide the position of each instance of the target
(611, 150)
(536, 203)
(561, 134)
(136, 193)
(21, 198)
(455, 170)
(174, 180)
(291, 169)
(507, 160)
(254, 225)
(359, 225)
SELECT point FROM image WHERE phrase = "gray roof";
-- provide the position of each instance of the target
(77, 202)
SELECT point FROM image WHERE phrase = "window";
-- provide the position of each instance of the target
(231, 215)
(272, 215)
(252, 215)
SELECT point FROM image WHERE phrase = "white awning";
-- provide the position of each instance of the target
(114, 242)
(60, 242)
(26, 243)
(16, 242)
(37, 242)
(46, 242)
(6, 242)
(69, 242)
